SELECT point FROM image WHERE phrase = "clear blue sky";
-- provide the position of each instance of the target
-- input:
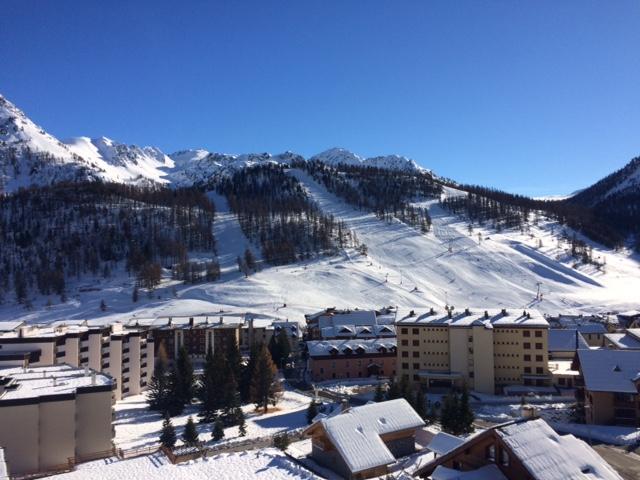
(537, 97)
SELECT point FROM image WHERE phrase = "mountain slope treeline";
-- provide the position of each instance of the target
(51, 234)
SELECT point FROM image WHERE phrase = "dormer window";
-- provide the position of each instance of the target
(333, 351)
(382, 349)
(347, 351)
(360, 350)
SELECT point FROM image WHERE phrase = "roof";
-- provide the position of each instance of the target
(361, 331)
(488, 472)
(630, 313)
(562, 340)
(443, 443)
(10, 326)
(354, 317)
(591, 328)
(624, 340)
(355, 433)
(49, 380)
(319, 348)
(550, 456)
(606, 370)
(477, 317)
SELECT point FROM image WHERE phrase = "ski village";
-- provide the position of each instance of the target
(335, 315)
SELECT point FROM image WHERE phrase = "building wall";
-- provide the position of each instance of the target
(57, 435)
(114, 362)
(19, 437)
(94, 416)
(483, 359)
(350, 366)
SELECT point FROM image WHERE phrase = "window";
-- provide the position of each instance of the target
(405, 343)
(538, 358)
(415, 331)
(527, 369)
(504, 458)
(527, 358)
(416, 366)
(538, 333)
(526, 333)
(490, 453)
(527, 345)
(415, 343)
(539, 370)
(404, 330)
(538, 346)
(405, 366)
(405, 354)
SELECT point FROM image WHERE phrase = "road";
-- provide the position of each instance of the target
(627, 464)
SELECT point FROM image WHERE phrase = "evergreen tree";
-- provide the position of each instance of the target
(210, 390)
(379, 395)
(420, 404)
(265, 385)
(281, 441)
(247, 373)
(233, 357)
(249, 259)
(158, 390)
(190, 434)
(103, 306)
(186, 380)
(135, 295)
(393, 391)
(242, 423)
(168, 434)
(174, 402)
(432, 414)
(448, 413)
(465, 416)
(284, 346)
(274, 349)
(312, 411)
(218, 430)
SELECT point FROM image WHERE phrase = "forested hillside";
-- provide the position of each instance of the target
(50, 235)
(275, 212)
(387, 193)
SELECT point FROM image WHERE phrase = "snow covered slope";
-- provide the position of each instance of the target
(340, 156)
(122, 163)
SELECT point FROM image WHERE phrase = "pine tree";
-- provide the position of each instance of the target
(168, 434)
(135, 295)
(190, 434)
(233, 357)
(185, 387)
(247, 373)
(174, 402)
(312, 411)
(420, 404)
(284, 346)
(249, 259)
(103, 306)
(466, 416)
(158, 391)
(242, 423)
(218, 430)
(281, 441)
(379, 395)
(274, 349)
(265, 385)
(210, 393)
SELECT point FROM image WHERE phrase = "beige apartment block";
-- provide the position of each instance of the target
(127, 355)
(486, 350)
(52, 414)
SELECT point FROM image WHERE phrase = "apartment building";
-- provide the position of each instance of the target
(486, 350)
(127, 355)
(332, 359)
(333, 324)
(52, 414)
(610, 386)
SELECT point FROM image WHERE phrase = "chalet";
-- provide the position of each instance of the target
(611, 386)
(329, 359)
(526, 449)
(361, 442)
(627, 340)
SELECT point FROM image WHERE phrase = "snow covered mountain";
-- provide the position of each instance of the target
(338, 156)
(623, 182)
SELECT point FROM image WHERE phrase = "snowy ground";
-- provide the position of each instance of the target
(137, 426)
(265, 464)
(403, 268)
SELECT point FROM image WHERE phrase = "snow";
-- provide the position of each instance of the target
(136, 426)
(610, 434)
(443, 443)
(607, 370)
(265, 464)
(488, 472)
(550, 456)
(356, 432)
(319, 348)
(341, 156)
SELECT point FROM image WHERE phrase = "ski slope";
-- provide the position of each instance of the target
(403, 268)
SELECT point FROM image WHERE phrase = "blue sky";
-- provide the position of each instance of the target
(536, 97)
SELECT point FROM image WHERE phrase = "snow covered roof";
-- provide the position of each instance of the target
(48, 380)
(488, 472)
(549, 456)
(477, 317)
(362, 331)
(319, 348)
(354, 317)
(606, 370)
(630, 313)
(624, 340)
(562, 340)
(443, 443)
(356, 432)
(591, 328)
(10, 326)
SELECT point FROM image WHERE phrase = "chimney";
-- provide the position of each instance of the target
(344, 404)
(431, 311)
(412, 313)
(86, 371)
(486, 314)
(504, 312)
(93, 378)
(528, 412)
(467, 312)
(191, 321)
(55, 382)
(220, 322)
